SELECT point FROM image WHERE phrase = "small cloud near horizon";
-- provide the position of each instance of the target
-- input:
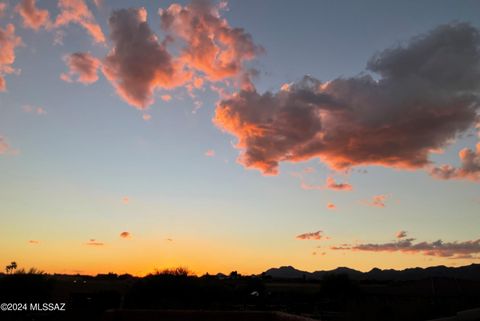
(125, 235)
(318, 235)
(94, 242)
(401, 234)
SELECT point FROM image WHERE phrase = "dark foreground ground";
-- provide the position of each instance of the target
(334, 297)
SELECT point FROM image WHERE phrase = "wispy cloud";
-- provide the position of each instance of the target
(437, 248)
(377, 201)
(77, 11)
(9, 41)
(318, 235)
(93, 242)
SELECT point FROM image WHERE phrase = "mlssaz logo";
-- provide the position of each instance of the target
(47, 307)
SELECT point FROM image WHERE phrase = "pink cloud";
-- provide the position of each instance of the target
(33, 17)
(77, 11)
(331, 206)
(212, 46)
(35, 242)
(210, 153)
(82, 66)
(146, 117)
(138, 64)
(318, 235)
(8, 42)
(395, 121)
(331, 184)
(377, 201)
(166, 97)
(469, 168)
(126, 200)
(401, 234)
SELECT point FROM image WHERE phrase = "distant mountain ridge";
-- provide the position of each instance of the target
(470, 272)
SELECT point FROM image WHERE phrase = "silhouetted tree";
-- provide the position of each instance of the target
(11, 267)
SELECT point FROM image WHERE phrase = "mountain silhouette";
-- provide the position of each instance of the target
(469, 272)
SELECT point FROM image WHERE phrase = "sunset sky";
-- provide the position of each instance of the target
(239, 135)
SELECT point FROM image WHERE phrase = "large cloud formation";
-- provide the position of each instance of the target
(426, 95)
(212, 46)
(82, 65)
(8, 42)
(138, 63)
(466, 249)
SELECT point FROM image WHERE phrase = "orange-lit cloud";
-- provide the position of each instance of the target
(318, 235)
(82, 66)
(210, 153)
(126, 200)
(125, 235)
(33, 17)
(212, 46)
(331, 206)
(77, 11)
(8, 42)
(138, 63)
(331, 184)
(166, 97)
(422, 100)
(438, 248)
(35, 242)
(401, 234)
(469, 167)
(377, 201)
(93, 242)
(146, 117)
